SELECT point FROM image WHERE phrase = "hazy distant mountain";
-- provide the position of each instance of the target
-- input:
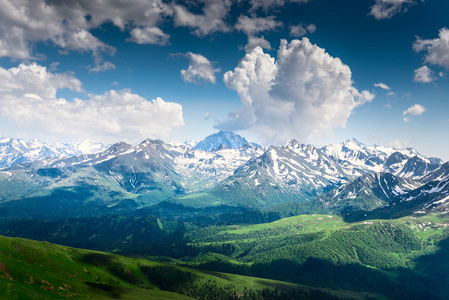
(228, 139)
(16, 151)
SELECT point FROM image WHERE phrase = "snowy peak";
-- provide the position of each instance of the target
(17, 151)
(353, 143)
(190, 143)
(357, 159)
(228, 139)
(303, 170)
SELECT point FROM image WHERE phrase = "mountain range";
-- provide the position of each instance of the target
(360, 222)
(16, 151)
(232, 176)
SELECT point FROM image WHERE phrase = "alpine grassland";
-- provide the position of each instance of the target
(40, 270)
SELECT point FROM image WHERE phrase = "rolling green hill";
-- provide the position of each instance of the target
(40, 270)
(376, 256)
(109, 233)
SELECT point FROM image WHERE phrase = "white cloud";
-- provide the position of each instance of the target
(437, 49)
(200, 69)
(211, 20)
(391, 94)
(300, 30)
(35, 79)
(149, 35)
(424, 75)
(382, 86)
(397, 144)
(67, 24)
(415, 110)
(101, 67)
(385, 9)
(254, 25)
(54, 66)
(28, 97)
(305, 94)
(269, 4)
(254, 42)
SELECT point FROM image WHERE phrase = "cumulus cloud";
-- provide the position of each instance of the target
(437, 49)
(424, 75)
(28, 97)
(385, 9)
(302, 30)
(67, 24)
(254, 25)
(415, 110)
(211, 20)
(382, 86)
(200, 69)
(254, 42)
(304, 94)
(149, 35)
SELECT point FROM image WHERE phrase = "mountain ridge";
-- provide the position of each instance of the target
(166, 176)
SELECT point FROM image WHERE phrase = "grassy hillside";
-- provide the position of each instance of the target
(40, 270)
(375, 256)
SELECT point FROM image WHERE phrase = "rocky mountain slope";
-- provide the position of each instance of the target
(172, 177)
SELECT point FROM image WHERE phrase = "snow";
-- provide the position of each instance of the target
(441, 201)
(275, 157)
(397, 191)
(380, 184)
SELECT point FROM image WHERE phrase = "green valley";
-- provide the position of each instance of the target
(40, 270)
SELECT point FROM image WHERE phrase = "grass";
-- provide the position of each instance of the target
(40, 270)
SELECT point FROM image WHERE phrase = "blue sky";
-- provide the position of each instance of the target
(319, 71)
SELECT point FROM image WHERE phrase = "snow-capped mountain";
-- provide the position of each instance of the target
(366, 192)
(17, 151)
(300, 166)
(357, 159)
(433, 196)
(228, 139)
(125, 177)
(292, 173)
(190, 143)
(298, 172)
(145, 167)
